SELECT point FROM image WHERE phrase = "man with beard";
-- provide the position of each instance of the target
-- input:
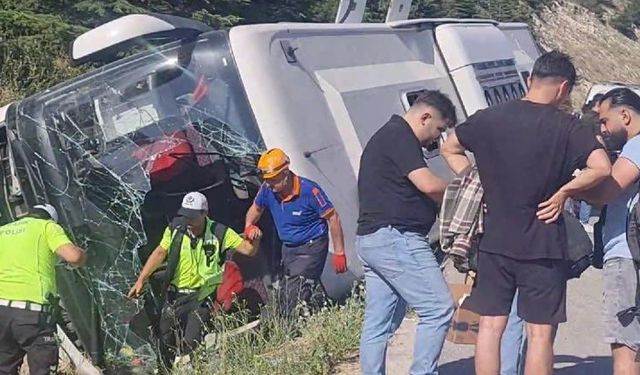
(620, 118)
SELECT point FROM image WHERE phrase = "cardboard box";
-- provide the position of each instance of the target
(465, 324)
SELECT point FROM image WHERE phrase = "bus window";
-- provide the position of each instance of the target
(413, 95)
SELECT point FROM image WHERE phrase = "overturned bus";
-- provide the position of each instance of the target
(116, 149)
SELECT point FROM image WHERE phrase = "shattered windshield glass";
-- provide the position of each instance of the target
(115, 151)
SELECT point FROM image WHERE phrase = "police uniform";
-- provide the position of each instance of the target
(197, 276)
(301, 223)
(27, 287)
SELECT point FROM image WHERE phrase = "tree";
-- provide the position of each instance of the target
(460, 8)
(428, 9)
(36, 33)
(627, 21)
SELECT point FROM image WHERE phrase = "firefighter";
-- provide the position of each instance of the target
(28, 294)
(193, 273)
(304, 216)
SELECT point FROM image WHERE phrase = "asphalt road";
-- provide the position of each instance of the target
(579, 349)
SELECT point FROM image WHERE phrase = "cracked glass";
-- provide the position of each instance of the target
(115, 151)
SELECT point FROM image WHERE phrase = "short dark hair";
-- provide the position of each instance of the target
(439, 101)
(592, 103)
(555, 64)
(623, 96)
(39, 213)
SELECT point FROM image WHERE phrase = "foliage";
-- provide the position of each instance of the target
(35, 34)
(277, 346)
(627, 21)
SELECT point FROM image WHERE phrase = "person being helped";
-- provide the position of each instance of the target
(29, 248)
(526, 152)
(399, 197)
(304, 216)
(199, 270)
(620, 118)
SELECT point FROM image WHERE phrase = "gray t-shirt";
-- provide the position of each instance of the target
(614, 233)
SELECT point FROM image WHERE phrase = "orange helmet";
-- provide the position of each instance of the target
(273, 162)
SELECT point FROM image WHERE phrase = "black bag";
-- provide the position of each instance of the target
(633, 232)
(597, 260)
(579, 246)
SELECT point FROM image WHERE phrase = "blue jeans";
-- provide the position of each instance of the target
(585, 212)
(513, 343)
(400, 269)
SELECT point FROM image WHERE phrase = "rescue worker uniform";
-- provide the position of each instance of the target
(28, 294)
(301, 223)
(188, 306)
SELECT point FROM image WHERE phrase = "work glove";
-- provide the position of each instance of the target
(340, 263)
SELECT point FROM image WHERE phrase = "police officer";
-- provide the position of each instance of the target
(199, 271)
(304, 216)
(28, 295)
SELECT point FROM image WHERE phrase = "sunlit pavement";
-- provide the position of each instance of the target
(579, 348)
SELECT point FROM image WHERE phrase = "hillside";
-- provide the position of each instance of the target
(34, 36)
(600, 52)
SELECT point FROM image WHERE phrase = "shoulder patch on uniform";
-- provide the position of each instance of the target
(319, 197)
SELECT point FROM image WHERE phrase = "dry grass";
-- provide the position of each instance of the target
(312, 346)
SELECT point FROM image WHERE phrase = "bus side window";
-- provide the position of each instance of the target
(411, 97)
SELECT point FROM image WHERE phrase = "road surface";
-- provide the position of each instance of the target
(579, 349)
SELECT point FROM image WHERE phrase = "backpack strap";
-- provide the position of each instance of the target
(220, 231)
(633, 231)
(178, 230)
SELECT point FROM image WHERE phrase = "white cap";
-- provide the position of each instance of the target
(50, 210)
(193, 204)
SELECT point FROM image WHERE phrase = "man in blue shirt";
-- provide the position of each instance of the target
(304, 216)
(620, 118)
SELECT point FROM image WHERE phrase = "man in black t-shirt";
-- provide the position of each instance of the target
(526, 151)
(398, 203)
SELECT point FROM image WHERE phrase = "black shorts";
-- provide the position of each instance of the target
(541, 285)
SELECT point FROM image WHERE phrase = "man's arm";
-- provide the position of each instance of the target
(337, 235)
(253, 215)
(251, 230)
(155, 260)
(624, 173)
(248, 247)
(455, 154)
(428, 183)
(598, 169)
(339, 258)
(72, 254)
